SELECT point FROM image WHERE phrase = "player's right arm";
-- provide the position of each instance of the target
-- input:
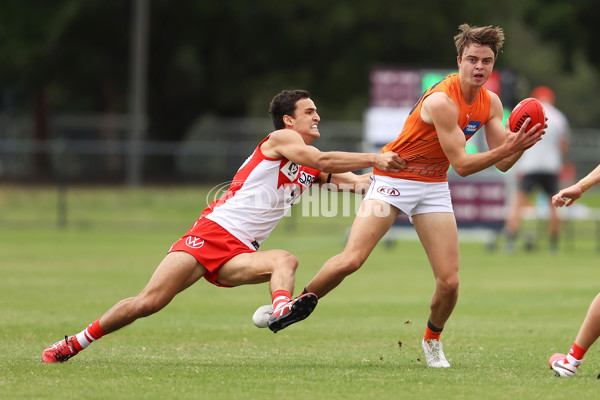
(289, 144)
(567, 196)
(345, 181)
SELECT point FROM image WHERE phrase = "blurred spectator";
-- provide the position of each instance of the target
(539, 167)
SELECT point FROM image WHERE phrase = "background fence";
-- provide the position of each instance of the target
(95, 149)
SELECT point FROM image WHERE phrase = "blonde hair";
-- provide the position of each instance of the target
(482, 35)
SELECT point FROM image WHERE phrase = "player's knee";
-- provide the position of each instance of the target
(145, 306)
(350, 264)
(448, 285)
(286, 260)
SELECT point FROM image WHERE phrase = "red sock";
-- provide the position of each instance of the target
(280, 297)
(431, 332)
(76, 344)
(90, 334)
(577, 352)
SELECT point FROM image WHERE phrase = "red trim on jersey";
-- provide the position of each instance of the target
(262, 154)
(240, 177)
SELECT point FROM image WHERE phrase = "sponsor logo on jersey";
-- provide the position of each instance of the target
(388, 191)
(194, 242)
(290, 170)
(306, 179)
(472, 127)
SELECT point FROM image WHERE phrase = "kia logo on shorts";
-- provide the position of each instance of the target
(388, 191)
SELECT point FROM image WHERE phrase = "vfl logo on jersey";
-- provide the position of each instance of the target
(471, 128)
(388, 191)
(306, 179)
(291, 192)
(194, 242)
(290, 170)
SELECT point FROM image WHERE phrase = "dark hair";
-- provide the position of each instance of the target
(285, 104)
(485, 36)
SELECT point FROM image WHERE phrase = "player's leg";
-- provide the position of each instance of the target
(278, 267)
(550, 187)
(176, 272)
(554, 226)
(439, 236)
(372, 222)
(567, 365)
(513, 220)
(275, 266)
(590, 329)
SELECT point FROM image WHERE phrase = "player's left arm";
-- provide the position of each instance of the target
(495, 133)
(347, 181)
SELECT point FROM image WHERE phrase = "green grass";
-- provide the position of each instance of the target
(363, 341)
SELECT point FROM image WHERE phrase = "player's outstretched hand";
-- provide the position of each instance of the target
(389, 162)
(567, 196)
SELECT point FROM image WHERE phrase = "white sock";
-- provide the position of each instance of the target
(84, 338)
(573, 361)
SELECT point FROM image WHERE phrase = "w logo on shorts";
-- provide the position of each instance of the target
(194, 242)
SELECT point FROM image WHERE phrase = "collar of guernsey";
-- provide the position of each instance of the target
(418, 141)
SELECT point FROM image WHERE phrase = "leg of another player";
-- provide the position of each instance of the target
(567, 365)
(372, 222)
(590, 329)
(513, 221)
(554, 226)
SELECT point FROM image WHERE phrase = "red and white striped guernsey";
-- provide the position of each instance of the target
(262, 191)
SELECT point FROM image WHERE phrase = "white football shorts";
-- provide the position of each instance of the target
(411, 197)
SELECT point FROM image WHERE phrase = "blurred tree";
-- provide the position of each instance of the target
(229, 57)
(29, 34)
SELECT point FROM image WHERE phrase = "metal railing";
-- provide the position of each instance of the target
(96, 148)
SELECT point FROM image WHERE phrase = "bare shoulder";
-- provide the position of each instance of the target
(494, 97)
(284, 136)
(438, 104)
(279, 139)
(438, 98)
(496, 108)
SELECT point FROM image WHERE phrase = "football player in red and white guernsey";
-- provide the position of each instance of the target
(222, 245)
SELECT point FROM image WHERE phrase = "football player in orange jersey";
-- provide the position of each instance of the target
(433, 138)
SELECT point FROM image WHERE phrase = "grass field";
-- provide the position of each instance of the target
(362, 342)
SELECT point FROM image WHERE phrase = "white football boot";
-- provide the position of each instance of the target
(434, 354)
(562, 367)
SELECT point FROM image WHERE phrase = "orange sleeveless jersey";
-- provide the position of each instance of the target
(418, 143)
